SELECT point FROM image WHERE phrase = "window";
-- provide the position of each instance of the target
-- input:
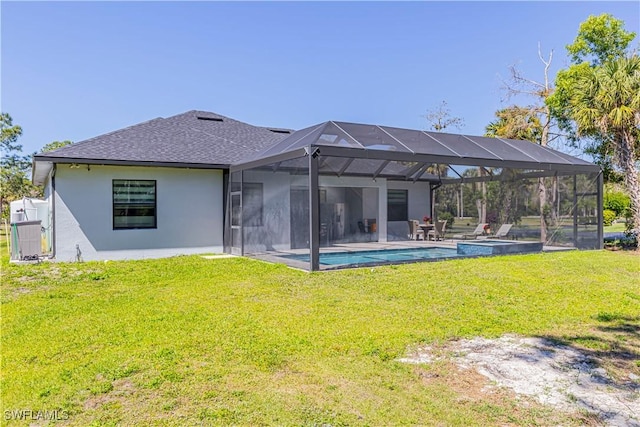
(252, 204)
(134, 204)
(397, 205)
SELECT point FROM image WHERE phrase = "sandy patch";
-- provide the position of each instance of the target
(554, 375)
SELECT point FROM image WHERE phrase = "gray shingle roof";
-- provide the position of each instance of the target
(194, 137)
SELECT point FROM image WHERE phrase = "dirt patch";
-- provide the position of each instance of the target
(22, 291)
(555, 375)
(122, 389)
(10, 294)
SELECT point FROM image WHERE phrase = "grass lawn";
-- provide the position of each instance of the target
(190, 341)
(615, 228)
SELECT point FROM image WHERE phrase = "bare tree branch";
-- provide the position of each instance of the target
(440, 118)
(518, 84)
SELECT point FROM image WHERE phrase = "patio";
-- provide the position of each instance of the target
(338, 187)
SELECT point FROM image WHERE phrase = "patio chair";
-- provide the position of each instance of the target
(479, 231)
(502, 233)
(414, 230)
(363, 231)
(438, 232)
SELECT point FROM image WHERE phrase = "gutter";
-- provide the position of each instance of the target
(71, 160)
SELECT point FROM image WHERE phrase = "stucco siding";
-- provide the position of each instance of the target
(418, 194)
(188, 207)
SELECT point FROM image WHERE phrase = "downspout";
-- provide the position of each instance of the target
(226, 217)
(432, 207)
(53, 212)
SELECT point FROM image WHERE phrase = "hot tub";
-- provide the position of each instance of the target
(497, 247)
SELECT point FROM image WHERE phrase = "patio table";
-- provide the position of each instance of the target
(426, 228)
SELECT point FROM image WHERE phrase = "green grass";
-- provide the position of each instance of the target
(615, 228)
(189, 341)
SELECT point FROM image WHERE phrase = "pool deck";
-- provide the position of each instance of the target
(279, 256)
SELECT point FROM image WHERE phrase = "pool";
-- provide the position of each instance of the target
(497, 247)
(355, 258)
(381, 256)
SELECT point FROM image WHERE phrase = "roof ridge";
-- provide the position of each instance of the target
(114, 132)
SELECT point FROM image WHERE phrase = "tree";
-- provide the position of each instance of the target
(516, 123)
(523, 123)
(14, 167)
(600, 39)
(519, 123)
(55, 145)
(440, 118)
(597, 99)
(15, 172)
(616, 200)
(9, 135)
(606, 101)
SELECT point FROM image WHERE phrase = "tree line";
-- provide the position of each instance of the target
(15, 167)
(593, 105)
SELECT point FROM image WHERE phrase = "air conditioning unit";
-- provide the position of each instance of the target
(26, 240)
(25, 212)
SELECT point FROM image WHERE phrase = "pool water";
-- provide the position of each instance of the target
(380, 256)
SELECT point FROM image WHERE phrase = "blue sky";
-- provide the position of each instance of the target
(74, 70)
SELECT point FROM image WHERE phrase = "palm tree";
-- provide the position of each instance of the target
(606, 101)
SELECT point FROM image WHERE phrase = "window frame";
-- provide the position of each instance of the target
(404, 205)
(113, 205)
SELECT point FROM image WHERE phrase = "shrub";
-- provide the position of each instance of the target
(616, 201)
(629, 241)
(608, 216)
(447, 216)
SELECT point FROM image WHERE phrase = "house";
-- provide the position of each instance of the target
(201, 182)
(150, 190)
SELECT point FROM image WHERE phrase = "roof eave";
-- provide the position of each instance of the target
(113, 162)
